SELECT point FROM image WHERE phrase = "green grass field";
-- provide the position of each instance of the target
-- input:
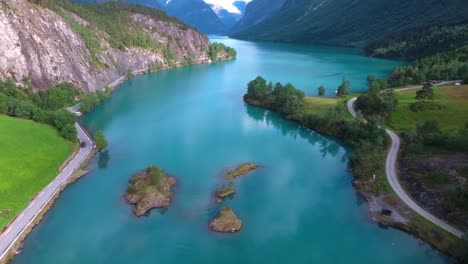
(320, 105)
(454, 112)
(30, 156)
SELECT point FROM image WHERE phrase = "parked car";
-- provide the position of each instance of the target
(83, 145)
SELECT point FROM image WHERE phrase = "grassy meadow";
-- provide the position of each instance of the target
(30, 157)
(453, 113)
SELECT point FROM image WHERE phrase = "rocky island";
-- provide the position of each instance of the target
(225, 222)
(149, 189)
(225, 191)
(240, 170)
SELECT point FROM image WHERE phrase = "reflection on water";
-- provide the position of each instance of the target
(290, 128)
(103, 159)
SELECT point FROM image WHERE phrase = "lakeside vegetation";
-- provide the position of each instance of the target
(367, 139)
(30, 159)
(219, 51)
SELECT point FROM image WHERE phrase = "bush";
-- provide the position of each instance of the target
(321, 91)
(69, 132)
(101, 141)
(423, 106)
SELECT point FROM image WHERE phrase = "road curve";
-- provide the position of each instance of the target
(390, 171)
(27, 216)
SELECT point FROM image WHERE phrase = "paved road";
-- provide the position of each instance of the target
(9, 236)
(390, 170)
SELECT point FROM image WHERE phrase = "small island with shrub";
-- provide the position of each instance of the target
(225, 190)
(149, 189)
(240, 170)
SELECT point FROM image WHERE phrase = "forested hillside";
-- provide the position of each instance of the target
(420, 42)
(353, 23)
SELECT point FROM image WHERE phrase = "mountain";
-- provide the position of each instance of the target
(229, 19)
(241, 6)
(91, 45)
(256, 12)
(350, 22)
(196, 13)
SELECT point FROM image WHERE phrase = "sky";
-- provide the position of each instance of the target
(226, 4)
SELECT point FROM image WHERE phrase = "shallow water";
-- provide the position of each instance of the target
(299, 208)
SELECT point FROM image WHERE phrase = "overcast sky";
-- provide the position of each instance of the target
(227, 4)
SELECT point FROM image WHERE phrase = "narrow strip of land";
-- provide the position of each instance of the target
(390, 170)
(17, 227)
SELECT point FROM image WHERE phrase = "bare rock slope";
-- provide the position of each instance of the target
(39, 46)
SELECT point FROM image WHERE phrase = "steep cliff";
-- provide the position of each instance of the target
(91, 45)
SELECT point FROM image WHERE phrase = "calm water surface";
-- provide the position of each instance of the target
(299, 208)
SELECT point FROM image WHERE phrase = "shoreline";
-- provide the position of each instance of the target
(15, 247)
(403, 218)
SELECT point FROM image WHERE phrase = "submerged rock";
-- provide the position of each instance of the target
(225, 222)
(148, 189)
(225, 191)
(240, 170)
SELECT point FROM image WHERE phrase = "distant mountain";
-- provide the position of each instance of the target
(196, 13)
(230, 19)
(347, 22)
(241, 6)
(257, 11)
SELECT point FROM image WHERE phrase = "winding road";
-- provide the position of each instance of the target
(27, 216)
(391, 172)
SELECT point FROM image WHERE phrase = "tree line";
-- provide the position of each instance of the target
(421, 43)
(450, 65)
(45, 107)
(217, 48)
(367, 139)
(377, 102)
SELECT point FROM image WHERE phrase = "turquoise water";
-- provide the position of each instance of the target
(299, 208)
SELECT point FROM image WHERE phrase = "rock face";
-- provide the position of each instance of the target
(149, 189)
(39, 46)
(225, 222)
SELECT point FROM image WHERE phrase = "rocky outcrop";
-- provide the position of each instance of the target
(225, 191)
(38, 46)
(225, 222)
(240, 170)
(149, 189)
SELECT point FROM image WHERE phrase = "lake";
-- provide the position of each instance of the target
(300, 207)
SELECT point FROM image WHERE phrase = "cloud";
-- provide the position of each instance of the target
(226, 4)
